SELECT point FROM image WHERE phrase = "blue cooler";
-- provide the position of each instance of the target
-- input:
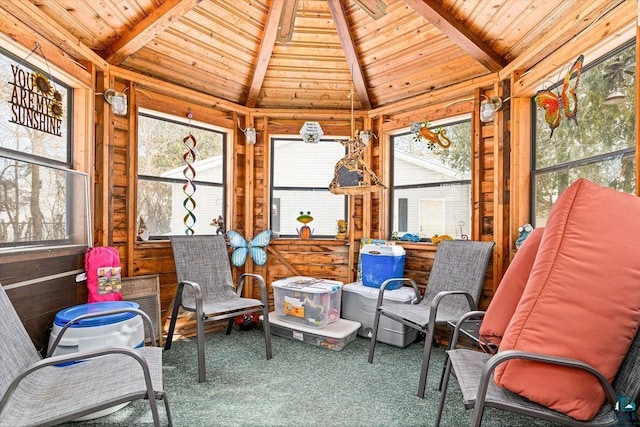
(381, 262)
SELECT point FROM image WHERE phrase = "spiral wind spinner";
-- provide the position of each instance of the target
(189, 187)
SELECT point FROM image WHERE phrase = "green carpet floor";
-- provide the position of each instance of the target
(302, 385)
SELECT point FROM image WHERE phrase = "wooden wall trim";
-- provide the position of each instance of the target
(476, 170)
(132, 178)
(520, 168)
(501, 199)
(249, 197)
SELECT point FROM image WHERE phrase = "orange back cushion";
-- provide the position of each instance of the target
(581, 301)
(504, 302)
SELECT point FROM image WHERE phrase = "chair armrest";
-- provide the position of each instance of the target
(197, 294)
(263, 286)
(77, 357)
(466, 316)
(386, 283)
(440, 295)
(503, 356)
(142, 314)
(433, 311)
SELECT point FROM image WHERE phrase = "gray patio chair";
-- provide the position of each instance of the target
(205, 286)
(474, 372)
(454, 287)
(36, 392)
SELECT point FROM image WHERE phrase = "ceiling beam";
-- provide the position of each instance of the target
(287, 21)
(439, 17)
(375, 8)
(357, 76)
(146, 30)
(266, 49)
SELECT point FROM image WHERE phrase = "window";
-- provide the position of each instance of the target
(432, 186)
(43, 202)
(167, 203)
(599, 145)
(301, 176)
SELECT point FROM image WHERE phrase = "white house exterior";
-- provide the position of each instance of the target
(442, 209)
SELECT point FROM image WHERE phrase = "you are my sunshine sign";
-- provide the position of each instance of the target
(35, 103)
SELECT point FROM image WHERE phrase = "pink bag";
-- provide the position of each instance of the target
(102, 266)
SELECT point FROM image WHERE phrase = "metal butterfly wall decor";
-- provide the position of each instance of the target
(566, 102)
(253, 247)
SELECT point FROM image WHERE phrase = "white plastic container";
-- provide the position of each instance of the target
(359, 304)
(307, 301)
(334, 336)
(123, 330)
(126, 329)
(381, 262)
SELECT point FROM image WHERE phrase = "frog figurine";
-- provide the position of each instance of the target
(305, 231)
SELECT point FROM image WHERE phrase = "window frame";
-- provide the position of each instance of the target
(448, 121)
(65, 165)
(201, 125)
(273, 187)
(624, 153)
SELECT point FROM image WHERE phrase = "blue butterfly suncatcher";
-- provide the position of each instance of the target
(254, 247)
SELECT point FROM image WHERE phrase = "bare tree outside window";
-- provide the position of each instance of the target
(42, 201)
(599, 145)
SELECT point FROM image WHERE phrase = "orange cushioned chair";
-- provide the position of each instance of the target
(575, 322)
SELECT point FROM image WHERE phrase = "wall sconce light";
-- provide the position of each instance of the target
(250, 134)
(365, 136)
(488, 108)
(117, 100)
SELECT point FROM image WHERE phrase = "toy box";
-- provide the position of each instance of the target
(360, 305)
(334, 336)
(381, 262)
(307, 301)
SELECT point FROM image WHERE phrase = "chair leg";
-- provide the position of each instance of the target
(167, 410)
(428, 342)
(444, 367)
(174, 315)
(266, 328)
(230, 325)
(200, 341)
(443, 391)
(374, 336)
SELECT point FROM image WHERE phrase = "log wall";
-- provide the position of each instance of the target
(500, 153)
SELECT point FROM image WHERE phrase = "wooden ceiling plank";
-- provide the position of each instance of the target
(160, 65)
(33, 17)
(560, 34)
(340, 19)
(265, 51)
(471, 43)
(177, 91)
(155, 23)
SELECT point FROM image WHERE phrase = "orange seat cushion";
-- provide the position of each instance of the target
(504, 302)
(582, 300)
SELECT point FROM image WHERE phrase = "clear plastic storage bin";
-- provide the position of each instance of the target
(307, 301)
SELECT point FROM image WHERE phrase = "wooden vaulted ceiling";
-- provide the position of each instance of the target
(285, 54)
